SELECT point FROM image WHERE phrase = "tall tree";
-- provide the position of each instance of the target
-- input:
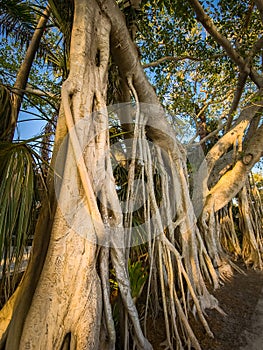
(84, 236)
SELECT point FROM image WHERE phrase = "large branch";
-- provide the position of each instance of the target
(125, 55)
(208, 24)
(236, 131)
(177, 59)
(232, 182)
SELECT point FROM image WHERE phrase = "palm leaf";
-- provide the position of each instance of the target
(60, 63)
(17, 210)
(62, 16)
(17, 17)
(5, 112)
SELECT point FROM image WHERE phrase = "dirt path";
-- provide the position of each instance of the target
(254, 335)
(242, 329)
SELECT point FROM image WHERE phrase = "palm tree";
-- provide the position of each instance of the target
(17, 17)
(19, 165)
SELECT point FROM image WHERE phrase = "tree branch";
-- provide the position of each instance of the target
(211, 134)
(177, 59)
(259, 4)
(234, 179)
(38, 92)
(242, 78)
(256, 48)
(244, 65)
(247, 114)
(34, 91)
(219, 38)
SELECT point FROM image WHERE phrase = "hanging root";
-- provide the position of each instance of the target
(250, 212)
(119, 264)
(175, 307)
(169, 226)
(227, 232)
(104, 275)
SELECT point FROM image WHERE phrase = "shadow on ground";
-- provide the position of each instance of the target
(241, 329)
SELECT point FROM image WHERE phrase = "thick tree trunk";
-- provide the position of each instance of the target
(68, 297)
(244, 155)
(67, 303)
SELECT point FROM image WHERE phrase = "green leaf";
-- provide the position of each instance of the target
(17, 208)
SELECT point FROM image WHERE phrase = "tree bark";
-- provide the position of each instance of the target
(231, 183)
(250, 227)
(23, 73)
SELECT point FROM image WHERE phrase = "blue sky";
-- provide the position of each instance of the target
(28, 128)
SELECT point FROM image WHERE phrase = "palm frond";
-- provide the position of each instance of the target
(17, 17)
(60, 63)
(5, 112)
(62, 15)
(17, 210)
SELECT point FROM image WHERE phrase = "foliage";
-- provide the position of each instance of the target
(138, 277)
(17, 17)
(62, 19)
(258, 178)
(17, 210)
(5, 112)
(194, 74)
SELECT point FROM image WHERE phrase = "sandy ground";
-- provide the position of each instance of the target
(254, 335)
(240, 329)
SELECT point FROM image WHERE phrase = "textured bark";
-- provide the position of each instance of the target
(221, 167)
(250, 222)
(231, 183)
(67, 299)
(67, 305)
